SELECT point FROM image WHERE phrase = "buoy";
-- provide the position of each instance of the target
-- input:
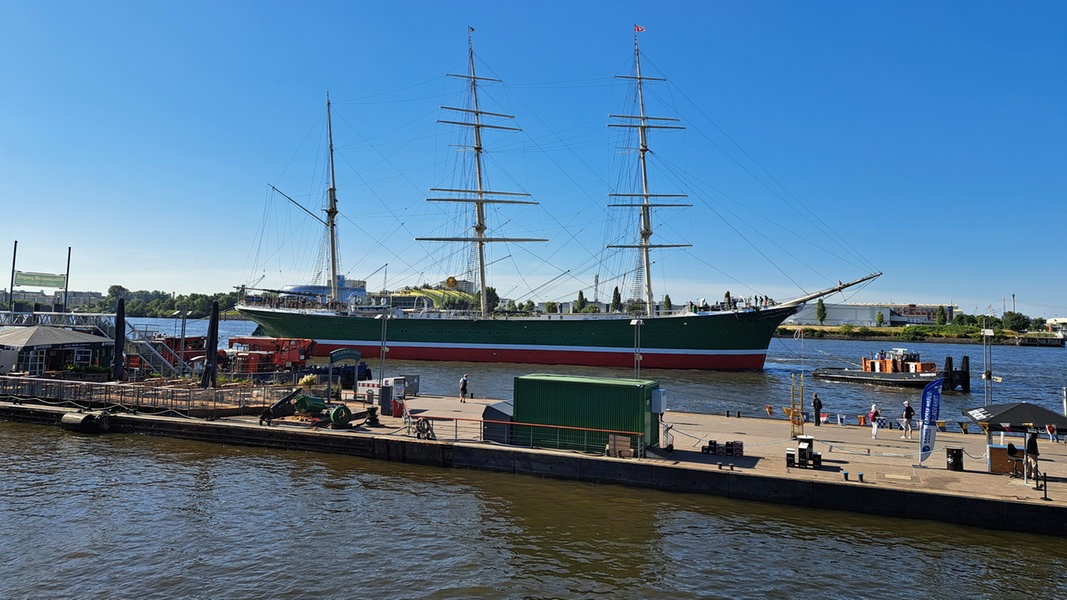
(85, 422)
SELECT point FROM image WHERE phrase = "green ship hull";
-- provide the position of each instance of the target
(727, 340)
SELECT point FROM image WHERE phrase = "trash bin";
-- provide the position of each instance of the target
(954, 458)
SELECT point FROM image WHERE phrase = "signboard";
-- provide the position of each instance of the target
(40, 279)
(343, 354)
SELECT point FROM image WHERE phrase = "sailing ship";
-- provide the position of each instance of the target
(728, 336)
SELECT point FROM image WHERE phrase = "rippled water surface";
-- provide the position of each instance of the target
(120, 516)
(138, 517)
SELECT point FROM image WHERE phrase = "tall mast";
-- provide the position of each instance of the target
(479, 196)
(331, 211)
(640, 122)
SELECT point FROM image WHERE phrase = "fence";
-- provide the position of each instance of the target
(524, 435)
(156, 397)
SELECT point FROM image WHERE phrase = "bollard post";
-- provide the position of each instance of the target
(861, 477)
(1044, 485)
(731, 466)
(846, 475)
(720, 465)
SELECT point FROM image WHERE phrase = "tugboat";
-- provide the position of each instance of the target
(900, 367)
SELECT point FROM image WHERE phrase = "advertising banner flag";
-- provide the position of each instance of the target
(929, 412)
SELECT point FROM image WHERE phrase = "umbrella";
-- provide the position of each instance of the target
(209, 379)
(118, 364)
(1017, 415)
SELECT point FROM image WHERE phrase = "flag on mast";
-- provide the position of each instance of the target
(638, 28)
(929, 411)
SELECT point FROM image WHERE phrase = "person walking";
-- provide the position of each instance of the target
(873, 416)
(909, 412)
(816, 406)
(463, 388)
(1031, 454)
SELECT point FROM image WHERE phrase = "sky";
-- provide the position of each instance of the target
(823, 141)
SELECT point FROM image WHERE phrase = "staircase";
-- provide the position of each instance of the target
(156, 357)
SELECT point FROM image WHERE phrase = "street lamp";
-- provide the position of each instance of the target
(637, 323)
(381, 367)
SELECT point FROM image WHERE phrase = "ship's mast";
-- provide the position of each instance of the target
(331, 211)
(641, 122)
(479, 196)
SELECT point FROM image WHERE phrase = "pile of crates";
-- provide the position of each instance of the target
(736, 448)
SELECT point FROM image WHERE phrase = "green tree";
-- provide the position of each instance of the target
(1038, 323)
(529, 306)
(511, 306)
(667, 306)
(941, 318)
(113, 294)
(1015, 321)
(579, 305)
(550, 307)
(616, 301)
(820, 311)
(491, 299)
(879, 319)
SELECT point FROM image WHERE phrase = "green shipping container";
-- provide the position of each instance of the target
(613, 404)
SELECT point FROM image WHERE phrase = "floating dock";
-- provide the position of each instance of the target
(857, 473)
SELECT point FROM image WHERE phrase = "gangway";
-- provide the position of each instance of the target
(139, 340)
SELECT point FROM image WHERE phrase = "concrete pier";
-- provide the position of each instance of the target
(892, 484)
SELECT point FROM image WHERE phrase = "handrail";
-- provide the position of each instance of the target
(567, 437)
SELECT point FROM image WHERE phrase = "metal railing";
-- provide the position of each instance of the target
(523, 435)
(161, 396)
(156, 398)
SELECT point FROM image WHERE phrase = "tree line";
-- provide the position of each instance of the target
(1009, 321)
(144, 303)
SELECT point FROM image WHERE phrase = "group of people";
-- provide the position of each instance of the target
(872, 417)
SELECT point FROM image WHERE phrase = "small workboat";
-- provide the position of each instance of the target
(900, 367)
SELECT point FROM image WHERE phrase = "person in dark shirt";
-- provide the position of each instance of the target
(1031, 454)
(909, 412)
(816, 406)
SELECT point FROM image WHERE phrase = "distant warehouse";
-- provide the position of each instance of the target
(866, 315)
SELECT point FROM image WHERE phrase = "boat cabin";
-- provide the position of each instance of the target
(897, 360)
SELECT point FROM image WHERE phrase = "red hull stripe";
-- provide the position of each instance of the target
(556, 355)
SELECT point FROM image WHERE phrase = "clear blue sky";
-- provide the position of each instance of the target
(824, 141)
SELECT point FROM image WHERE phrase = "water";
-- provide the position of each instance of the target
(139, 517)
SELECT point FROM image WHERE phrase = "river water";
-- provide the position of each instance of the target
(120, 516)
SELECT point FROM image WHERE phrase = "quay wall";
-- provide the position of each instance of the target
(991, 513)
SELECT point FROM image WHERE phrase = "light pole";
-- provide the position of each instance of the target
(637, 323)
(384, 349)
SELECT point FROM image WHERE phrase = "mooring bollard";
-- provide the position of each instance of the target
(861, 477)
(731, 466)
(846, 475)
